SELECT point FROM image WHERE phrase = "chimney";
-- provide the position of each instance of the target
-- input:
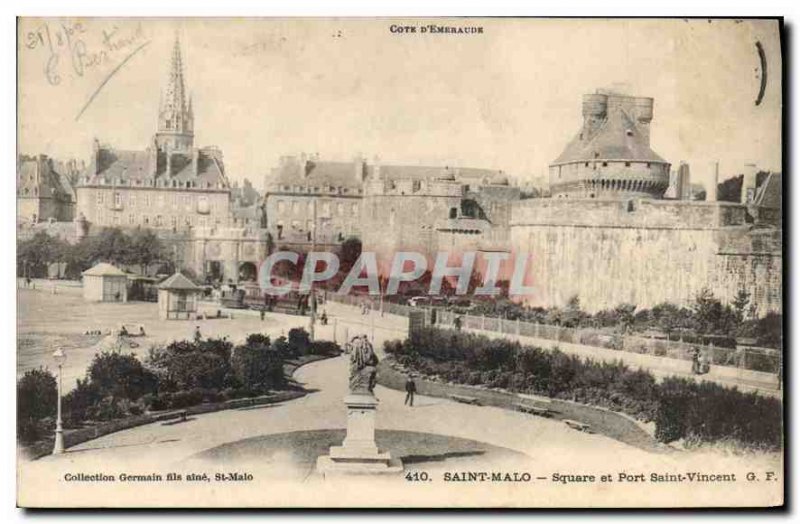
(359, 168)
(711, 191)
(152, 158)
(96, 156)
(376, 171)
(195, 161)
(748, 184)
(683, 188)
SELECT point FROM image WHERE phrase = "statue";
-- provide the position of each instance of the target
(363, 366)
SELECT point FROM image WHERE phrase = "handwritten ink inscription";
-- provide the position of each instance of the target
(66, 47)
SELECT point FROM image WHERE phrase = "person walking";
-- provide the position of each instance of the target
(411, 388)
(197, 335)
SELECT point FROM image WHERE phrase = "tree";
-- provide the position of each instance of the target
(145, 249)
(35, 254)
(625, 316)
(111, 245)
(710, 316)
(740, 302)
(350, 251)
(730, 190)
(120, 376)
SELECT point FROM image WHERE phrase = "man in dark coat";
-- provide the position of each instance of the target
(411, 388)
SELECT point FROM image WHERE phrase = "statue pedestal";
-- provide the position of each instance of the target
(359, 454)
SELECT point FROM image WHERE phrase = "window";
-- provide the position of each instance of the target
(115, 219)
(627, 164)
(132, 199)
(117, 199)
(173, 221)
(145, 220)
(131, 219)
(453, 213)
(160, 199)
(340, 209)
(295, 207)
(99, 198)
(159, 221)
(326, 209)
(281, 206)
(354, 209)
(605, 164)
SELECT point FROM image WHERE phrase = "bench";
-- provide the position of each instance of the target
(533, 410)
(579, 426)
(465, 399)
(171, 415)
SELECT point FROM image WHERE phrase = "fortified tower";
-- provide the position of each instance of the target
(611, 156)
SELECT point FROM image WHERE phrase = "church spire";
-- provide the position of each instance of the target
(175, 119)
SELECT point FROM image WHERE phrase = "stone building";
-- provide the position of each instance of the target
(171, 185)
(610, 157)
(302, 188)
(431, 209)
(44, 191)
(608, 237)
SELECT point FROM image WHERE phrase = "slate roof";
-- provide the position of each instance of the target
(408, 172)
(104, 270)
(344, 174)
(617, 138)
(320, 174)
(50, 182)
(123, 166)
(179, 282)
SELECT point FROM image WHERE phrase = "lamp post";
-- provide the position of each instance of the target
(60, 357)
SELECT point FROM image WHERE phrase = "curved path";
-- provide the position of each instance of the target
(163, 444)
(548, 447)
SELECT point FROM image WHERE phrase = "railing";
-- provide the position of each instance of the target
(752, 358)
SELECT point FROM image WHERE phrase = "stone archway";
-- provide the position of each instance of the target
(248, 272)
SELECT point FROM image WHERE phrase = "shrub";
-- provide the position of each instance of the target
(258, 368)
(708, 412)
(78, 401)
(120, 376)
(299, 341)
(185, 365)
(257, 339)
(325, 348)
(109, 408)
(681, 408)
(37, 394)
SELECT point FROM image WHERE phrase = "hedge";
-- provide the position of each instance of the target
(681, 408)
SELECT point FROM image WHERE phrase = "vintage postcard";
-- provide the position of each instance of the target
(399, 263)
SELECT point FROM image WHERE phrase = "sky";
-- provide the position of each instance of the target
(507, 98)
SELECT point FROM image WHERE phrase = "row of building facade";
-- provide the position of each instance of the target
(619, 224)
